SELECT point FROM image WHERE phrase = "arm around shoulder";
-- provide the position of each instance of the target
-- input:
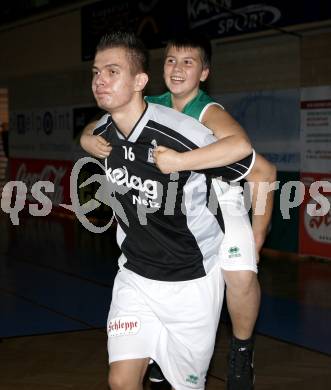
(94, 144)
(226, 129)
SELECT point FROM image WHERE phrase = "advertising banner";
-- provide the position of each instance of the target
(49, 133)
(315, 226)
(155, 21)
(224, 18)
(31, 171)
(45, 133)
(272, 121)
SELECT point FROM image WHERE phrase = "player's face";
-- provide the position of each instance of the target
(183, 71)
(113, 84)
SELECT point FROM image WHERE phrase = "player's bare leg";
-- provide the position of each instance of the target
(127, 374)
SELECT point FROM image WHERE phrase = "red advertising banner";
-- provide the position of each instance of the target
(315, 216)
(30, 171)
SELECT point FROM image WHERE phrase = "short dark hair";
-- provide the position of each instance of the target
(193, 41)
(136, 50)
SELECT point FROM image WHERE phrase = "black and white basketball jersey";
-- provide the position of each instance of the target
(165, 229)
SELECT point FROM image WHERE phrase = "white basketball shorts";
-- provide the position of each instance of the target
(237, 250)
(173, 323)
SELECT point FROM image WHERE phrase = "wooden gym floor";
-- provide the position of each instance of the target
(55, 288)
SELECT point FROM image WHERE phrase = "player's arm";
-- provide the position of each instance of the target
(169, 160)
(95, 145)
(261, 178)
(227, 129)
(232, 145)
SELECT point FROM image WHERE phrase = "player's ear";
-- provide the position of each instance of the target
(141, 81)
(204, 74)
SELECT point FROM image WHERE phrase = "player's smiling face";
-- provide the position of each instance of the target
(183, 71)
(113, 83)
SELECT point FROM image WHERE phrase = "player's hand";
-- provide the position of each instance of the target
(95, 145)
(167, 160)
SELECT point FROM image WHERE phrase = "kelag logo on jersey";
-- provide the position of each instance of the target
(121, 177)
(147, 190)
(115, 182)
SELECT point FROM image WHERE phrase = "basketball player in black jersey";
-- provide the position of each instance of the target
(168, 294)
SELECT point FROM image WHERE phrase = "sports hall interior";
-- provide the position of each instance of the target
(271, 69)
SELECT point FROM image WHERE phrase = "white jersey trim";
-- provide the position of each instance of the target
(169, 136)
(248, 170)
(201, 216)
(102, 121)
(206, 107)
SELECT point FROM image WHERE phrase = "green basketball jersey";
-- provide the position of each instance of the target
(195, 108)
